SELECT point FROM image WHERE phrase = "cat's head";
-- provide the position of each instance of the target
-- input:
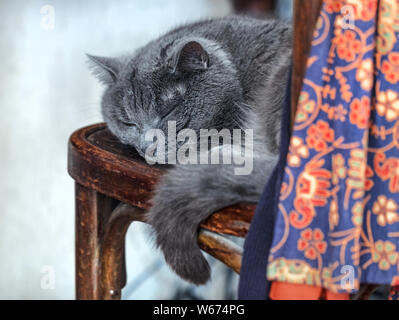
(192, 81)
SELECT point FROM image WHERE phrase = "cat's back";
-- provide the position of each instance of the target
(244, 39)
(235, 31)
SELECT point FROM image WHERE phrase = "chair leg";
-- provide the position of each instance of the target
(112, 257)
(92, 212)
(101, 226)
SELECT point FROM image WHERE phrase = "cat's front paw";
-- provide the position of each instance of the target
(175, 216)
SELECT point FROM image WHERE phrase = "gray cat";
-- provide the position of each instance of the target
(222, 73)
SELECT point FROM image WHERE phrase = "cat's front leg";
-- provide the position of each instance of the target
(186, 196)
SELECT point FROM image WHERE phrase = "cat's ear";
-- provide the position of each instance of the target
(105, 69)
(190, 56)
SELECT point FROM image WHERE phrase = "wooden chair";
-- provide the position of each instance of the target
(111, 178)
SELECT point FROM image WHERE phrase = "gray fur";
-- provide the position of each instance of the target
(223, 73)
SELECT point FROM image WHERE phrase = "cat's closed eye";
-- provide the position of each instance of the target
(129, 124)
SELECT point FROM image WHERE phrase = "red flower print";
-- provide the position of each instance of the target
(387, 169)
(390, 68)
(318, 135)
(360, 112)
(332, 6)
(365, 9)
(312, 243)
(312, 189)
(347, 45)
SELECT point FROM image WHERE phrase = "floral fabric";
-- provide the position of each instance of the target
(338, 218)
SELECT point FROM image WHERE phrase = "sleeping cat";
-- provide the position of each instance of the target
(225, 73)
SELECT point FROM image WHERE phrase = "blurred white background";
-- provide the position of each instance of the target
(47, 92)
